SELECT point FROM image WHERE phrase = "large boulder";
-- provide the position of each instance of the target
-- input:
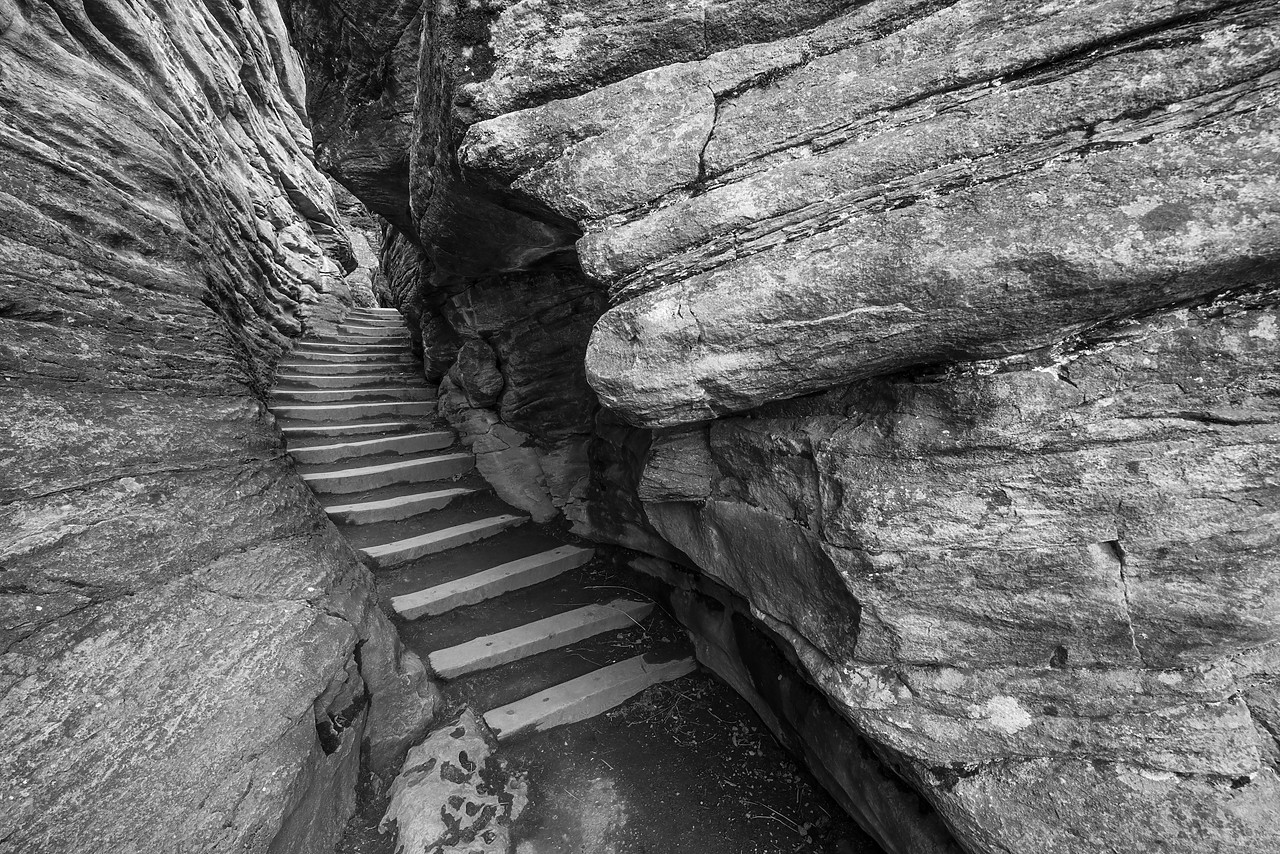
(778, 220)
(1048, 586)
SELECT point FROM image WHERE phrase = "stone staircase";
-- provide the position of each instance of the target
(517, 621)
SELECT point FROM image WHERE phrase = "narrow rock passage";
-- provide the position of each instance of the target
(526, 628)
(364, 432)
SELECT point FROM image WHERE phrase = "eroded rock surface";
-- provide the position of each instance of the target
(789, 229)
(191, 659)
(1056, 574)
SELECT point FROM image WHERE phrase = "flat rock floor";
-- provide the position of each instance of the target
(685, 767)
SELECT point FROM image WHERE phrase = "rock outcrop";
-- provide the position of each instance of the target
(1048, 585)
(454, 795)
(942, 334)
(192, 659)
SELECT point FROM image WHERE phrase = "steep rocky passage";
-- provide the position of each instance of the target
(926, 348)
(531, 632)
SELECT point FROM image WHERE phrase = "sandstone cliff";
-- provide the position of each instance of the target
(192, 660)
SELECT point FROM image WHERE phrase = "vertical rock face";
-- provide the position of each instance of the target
(190, 658)
(942, 333)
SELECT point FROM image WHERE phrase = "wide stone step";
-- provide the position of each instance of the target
(395, 509)
(372, 327)
(536, 637)
(362, 478)
(339, 395)
(496, 581)
(352, 380)
(372, 368)
(386, 335)
(312, 347)
(402, 551)
(406, 443)
(313, 357)
(342, 411)
(307, 431)
(364, 324)
(584, 697)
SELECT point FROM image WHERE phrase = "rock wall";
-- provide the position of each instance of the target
(941, 334)
(1048, 585)
(191, 658)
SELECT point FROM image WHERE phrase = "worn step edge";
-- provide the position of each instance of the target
(395, 509)
(404, 443)
(346, 381)
(378, 324)
(358, 346)
(316, 357)
(326, 368)
(327, 411)
(412, 548)
(365, 323)
(537, 637)
(364, 478)
(340, 395)
(487, 584)
(584, 697)
(306, 431)
(340, 336)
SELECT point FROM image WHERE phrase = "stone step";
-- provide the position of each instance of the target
(349, 380)
(371, 368)
(311, 347)
(361, 326)
(405, 443)
(339, 395)
(335, 411)
(496, 581)
(371, 334)
(395, 509)
(360, 343)
(311, 357)
(373, 323)
(399, 338)
(375, 311)
(416, 470)
(306, 431)
(402, 551)
(536, 637)
(584, 697)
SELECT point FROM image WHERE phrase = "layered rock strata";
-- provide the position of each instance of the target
(192, 659)
(941, 333)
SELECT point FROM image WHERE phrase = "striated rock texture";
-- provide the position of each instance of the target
(940, 333)
(838, 205)
(190, 657)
